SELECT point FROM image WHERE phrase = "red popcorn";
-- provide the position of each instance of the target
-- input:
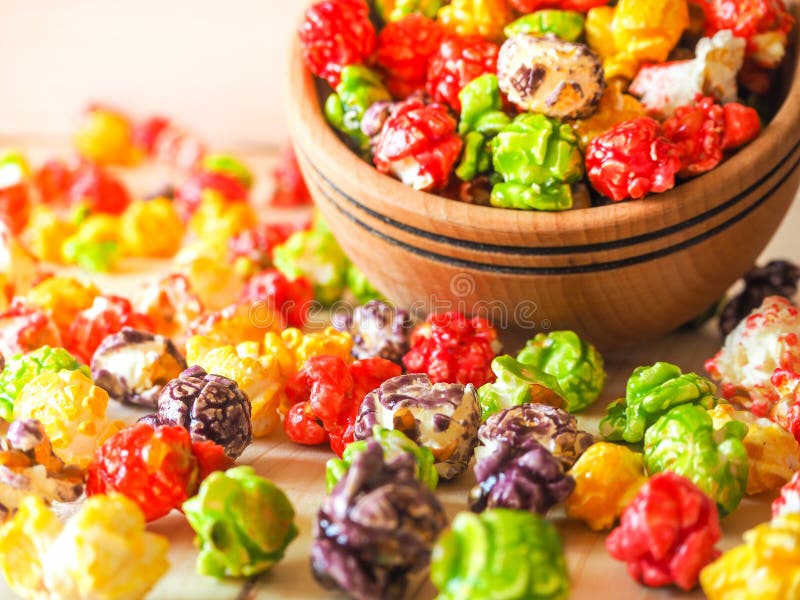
(156, 468)
(785, 411)
(742, 125)
(419, 145)
(98, 190)
(528, 6)
(326, 395)
(631, 160)
(146, 133)
(190, 193)
(453, 348)
(256, 244)
(764, 24)
(290, 187)
(25, 327)
(789, 499)
(107, 315)
(53, 180)
(15, 201)
(291, 298)
(334, 34)
(405, 48)
(667, 533)
(459, 61)
(210, 457)
(697, 131)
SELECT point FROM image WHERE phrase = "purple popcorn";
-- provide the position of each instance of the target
(377, 329)
(211, 407)
(377, 526)
(442, 417)
(133, 366)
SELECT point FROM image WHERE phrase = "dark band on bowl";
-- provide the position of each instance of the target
(566, 270)
(559, 250)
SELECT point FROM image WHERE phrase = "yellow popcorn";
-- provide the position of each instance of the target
(213, 279)
(62, 298)
(72, 411)
(635, 32)
(151, 228)
(486, 18)
(607, 477)
(45, 234)
(105, 137)
(233, 325)
(104, 552)
(330, 341)
(219, 218)
(258, 376)
(614, 108)
(765, 567)
(773, 452)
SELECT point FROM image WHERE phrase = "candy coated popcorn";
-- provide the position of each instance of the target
(317, 256)
(95, 244)
(517, 383)
(575, 363)
(528, 6)
(143, 226)
(631, 160)
(200, 184)
(45, 234)
(251, 250)
(614, 108)
(395, 10)
(158, 468)
(216, 217)
(667, 534)
(243, 523)
(742, 125)
(443, 417)
(453, 348)
(377, 526)
(133, 365)
(72, 411)
(171, 305)
(15, 201)
(53, 180)
(19, 269)
(334, 34)
(63, 298)
(290, 187)
(651, 391)
(377, 329)
(712, 72)
(394, 443)
(359, 88)
(763, 342)
(788, 501)
(104, 137)
(765, 567)
(684, 441)
(104, 551)
(405, 47)
(486, 18)
(21, 369)
(215, 282)
(607, 477)
(258, 376)
(550, 76)
(696, 130)
(538, 158)
(303, 346)
(500, 553)
(228, 165)
(773, 453)
(98, 190)
(24, 328)
(271, 292)
(29, 467)
(418, 144)
(458, 61)
(565, 24)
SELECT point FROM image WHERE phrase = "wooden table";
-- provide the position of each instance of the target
(299, 470)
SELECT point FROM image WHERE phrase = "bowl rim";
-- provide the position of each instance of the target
(656, 215)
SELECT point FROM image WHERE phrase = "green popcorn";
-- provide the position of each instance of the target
(651, 392)
(482, 118)
(613, 424)
(684, 441)
(516, 384)
(394, 10)
(93, 255)
(358, 89)
(316, 255)
(229, 165)
(576, 364)
(538, 158)
(243, 523)
(394, 443)
(500, 554)
(566, 24)
(24, 367)
(360, 287)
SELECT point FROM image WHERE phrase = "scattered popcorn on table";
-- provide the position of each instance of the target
(25, 328)
(517, 383)
(143, 228)
(377, 329)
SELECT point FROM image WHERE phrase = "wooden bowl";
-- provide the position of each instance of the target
(617, 274)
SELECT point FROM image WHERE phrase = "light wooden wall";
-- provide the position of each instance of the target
(214, 65)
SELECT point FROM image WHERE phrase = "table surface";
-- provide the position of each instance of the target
(299, 470)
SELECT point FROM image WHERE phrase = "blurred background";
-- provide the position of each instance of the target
(216, 68)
